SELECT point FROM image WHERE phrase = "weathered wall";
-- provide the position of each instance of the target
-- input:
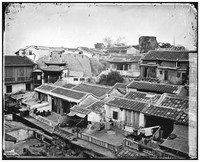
(77, 62)
(21, 134)
(168, 64)
(147, 43)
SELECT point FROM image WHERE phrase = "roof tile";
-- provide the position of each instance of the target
(80, 109)
(46, 87)
(96, 106)
(154, 87)
(18, 61)
(163, 112)
(175, 102)
(127, 104)
(69, 93)
(142, 96)
(96, 90)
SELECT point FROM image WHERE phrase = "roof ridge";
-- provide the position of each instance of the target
(96, 85)
(130, 99)
(72, 90)
(155, 83)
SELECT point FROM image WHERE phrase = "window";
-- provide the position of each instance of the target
(75, 79)
(38, 136)
(160, 72)
(38, 77)
(153, 70)
(82, 79)
(115, 115)
(8, 89)
(178, 74)
(28, 87)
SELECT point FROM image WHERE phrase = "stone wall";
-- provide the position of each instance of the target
(147, 43)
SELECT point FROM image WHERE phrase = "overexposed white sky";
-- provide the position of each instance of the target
(76, 24)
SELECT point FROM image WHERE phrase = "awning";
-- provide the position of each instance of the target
(80, 115)
(72, 113)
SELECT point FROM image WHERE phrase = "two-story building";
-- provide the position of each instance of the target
(36, 52)
(54, 68)
(126, 65)
(167, 66)
(18, 73)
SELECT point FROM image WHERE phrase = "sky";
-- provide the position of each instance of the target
(84, 24)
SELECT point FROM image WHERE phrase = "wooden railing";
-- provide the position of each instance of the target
(9, 79)
(18, 79)
(97, 141)
(148, 150)
(22, 79)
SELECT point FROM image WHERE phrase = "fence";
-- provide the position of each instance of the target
(44, 120)
(97, 142)
(145, 149)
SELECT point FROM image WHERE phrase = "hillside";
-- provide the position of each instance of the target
(76, 62)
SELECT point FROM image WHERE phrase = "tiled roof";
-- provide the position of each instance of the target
(183, 118)
(17, 61)
(96, 90)
(80, 110)
(68, 93)
(124, 58)
(45, 87)
(154, 87)
(52, 68)
(142, 96)
(175, 102)
(119, 48)
(96, 106)
(120, 85)
(167, 55)
(69, 86)
(63, 83)
(162, 112)
(127, 154)
(127, 104)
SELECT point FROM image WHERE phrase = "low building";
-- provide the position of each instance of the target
(126, 65)
(158, 88)
(18, 74)
(167, 66)
(125, 113)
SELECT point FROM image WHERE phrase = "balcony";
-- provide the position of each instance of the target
(129, 73)
(17, 80)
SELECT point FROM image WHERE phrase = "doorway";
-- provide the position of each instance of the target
(166, 75)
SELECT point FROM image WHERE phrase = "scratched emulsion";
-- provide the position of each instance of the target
(72, 25)
(84, 24)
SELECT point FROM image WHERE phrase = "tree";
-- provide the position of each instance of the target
(111, 78)
(110, 42)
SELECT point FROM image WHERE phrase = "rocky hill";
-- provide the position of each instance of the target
(76, 62)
